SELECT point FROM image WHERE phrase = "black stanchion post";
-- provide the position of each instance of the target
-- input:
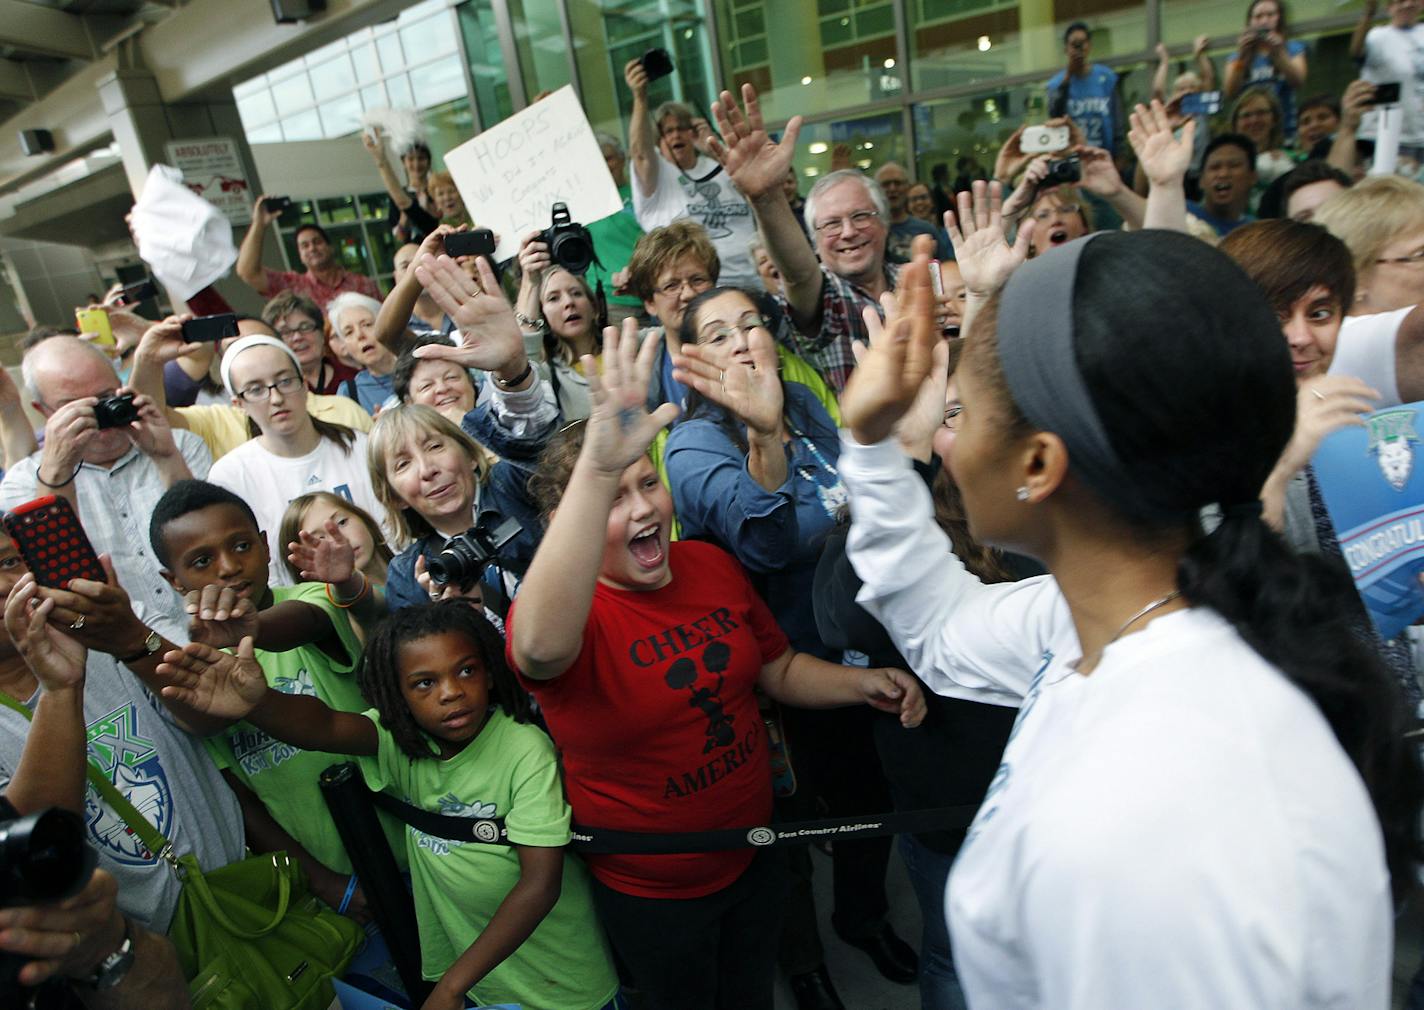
(381, 880)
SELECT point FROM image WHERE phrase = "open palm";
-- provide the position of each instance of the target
(986, 259)
(886, 382)
(756, 163)
(751, 392)
(219, 684)
(619, 428)
(489, 333)
(1164, 156)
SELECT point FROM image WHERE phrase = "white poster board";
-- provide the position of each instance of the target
(212, 168)
(511, 175)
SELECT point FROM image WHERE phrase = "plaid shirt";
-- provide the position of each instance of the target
(841, 305)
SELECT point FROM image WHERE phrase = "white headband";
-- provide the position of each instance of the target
(255, 340)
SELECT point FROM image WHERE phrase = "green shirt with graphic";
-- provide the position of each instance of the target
(509, 770)
(287, 778)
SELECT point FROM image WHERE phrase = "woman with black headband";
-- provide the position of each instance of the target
(1207, 797)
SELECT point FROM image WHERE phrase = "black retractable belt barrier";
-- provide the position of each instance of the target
(491, 830)
(350, 803)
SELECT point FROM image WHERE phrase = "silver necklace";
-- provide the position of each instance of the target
(1156, 604)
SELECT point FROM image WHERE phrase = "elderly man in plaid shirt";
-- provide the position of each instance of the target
(849, 218)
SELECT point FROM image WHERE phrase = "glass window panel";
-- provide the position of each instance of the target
(539, 37)
(609, 33)
(1182, 22)
(966, 41)
(427, 39)
(332, 78)
(486, 61)
(844, 65)
(250, 86)
(293, 93)
(437, 82)
(341, 116)
(869, 140)
(269, 134)
(374, 206)
(399, 89)
(374, 97)
(751, 22)
(368, 68)
(337, 209)
(325, 52)
(256, 108)
(448, 125)
(389, 47)
(302, 126)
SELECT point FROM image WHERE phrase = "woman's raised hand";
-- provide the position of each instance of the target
(752, 392)
(489, 334)
(328, 559)
(620, 429)
(884, 385)
(1164, 156)
(986, 260)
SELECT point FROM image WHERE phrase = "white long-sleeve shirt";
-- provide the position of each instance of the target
(1178, 829)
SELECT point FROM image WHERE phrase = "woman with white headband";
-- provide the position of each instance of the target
(1207, 799)
(291, 453)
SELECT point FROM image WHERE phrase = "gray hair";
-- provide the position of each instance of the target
(825, 182)
(681, 110)
(350, 300)
(56, 346)
(606, 140)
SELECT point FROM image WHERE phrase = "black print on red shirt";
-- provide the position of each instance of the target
(681, 638)
(683, 675)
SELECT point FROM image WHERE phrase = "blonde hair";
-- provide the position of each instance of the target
(555, 346)
(1278, 116)
(1371, 214)
(393, 427)
(297, 509)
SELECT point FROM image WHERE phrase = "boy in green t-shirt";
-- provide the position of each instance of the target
(211, 548)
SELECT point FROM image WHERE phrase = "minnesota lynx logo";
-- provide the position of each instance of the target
(1392, 437)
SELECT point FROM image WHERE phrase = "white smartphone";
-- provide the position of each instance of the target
(936, 279)
(1043, 139)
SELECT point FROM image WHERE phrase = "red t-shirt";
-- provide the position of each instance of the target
(656, 722)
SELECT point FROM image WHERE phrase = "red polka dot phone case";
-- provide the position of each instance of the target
(48, 536)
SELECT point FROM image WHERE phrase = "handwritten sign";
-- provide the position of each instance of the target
(511, 175)
(212, 168)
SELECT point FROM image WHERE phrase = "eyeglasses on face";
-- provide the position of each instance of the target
(697, 282)
(287, 331)
(1061, 210)
(721, 333)
(860, 219)
(256, 391)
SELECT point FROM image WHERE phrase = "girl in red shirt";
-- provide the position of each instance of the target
(643, 655)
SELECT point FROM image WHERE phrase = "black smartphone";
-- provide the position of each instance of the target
(138, 291)
(479, 242)
(213, 328)
(277, 204)
(1386, 94)
(657, 63)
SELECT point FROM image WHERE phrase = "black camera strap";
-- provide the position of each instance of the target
(492, 831)
(706, 178)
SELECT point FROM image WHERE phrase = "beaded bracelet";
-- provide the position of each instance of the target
(365, 588)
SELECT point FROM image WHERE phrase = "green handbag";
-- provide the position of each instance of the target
(250, 936)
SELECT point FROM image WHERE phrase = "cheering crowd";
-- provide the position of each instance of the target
(891, 498)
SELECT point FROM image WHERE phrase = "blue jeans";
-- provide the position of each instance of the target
(929, 874)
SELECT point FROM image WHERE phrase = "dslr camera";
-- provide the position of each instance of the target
(43, 858)
(463, 559)
(1063, 172)
(116, 411)
(570, 244)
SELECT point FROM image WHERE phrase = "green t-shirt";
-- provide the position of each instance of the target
(613, 239)
(509, 770)
(287, 778)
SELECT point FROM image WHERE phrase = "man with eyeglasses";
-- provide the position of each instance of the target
(298, 321)
(112, 476)
(674, 179)
(849, 219)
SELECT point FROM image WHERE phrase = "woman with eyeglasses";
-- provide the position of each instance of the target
(291, 453)
(1060, 209)
(753, 469)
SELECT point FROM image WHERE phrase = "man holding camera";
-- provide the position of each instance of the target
(1087, 92)
(111, 455)
(674, 179)
(322, 278)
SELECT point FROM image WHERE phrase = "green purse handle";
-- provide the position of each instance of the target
(185, 867)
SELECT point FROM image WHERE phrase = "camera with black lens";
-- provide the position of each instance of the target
(43, 858)
(1063, 172)
(570, 244)
(463, 559)
(116, 411)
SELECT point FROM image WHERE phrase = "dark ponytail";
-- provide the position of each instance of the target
(1294, 610)
(1190, 377)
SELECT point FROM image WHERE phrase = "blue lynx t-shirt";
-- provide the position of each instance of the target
(1092, 104)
